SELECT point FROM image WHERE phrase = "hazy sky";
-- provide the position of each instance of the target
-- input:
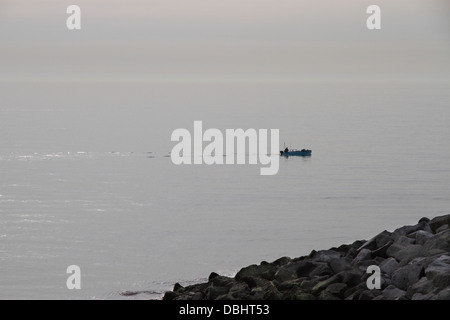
(149, 40)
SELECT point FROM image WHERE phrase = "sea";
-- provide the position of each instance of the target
(86, 178)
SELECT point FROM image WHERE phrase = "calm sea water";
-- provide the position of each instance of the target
(85, 179)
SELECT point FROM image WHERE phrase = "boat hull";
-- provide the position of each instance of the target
(306, 153)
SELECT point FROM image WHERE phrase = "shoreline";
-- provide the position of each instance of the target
(414, 264)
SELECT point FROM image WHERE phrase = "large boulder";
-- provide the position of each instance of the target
(326, 256)
(422, 236)
(444, 294)
(409, 253)
(420, 289)
(401, 243)
(391, 293)
(363, 255)
(439, 271)
(406, 276)
(389, 266)
(439, 242)
(340, 264)
(438, 222)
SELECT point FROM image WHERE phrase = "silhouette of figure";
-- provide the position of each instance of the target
(286, 150)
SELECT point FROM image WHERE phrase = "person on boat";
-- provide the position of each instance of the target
(286, 150)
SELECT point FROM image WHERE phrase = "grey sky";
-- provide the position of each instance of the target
(211, 39)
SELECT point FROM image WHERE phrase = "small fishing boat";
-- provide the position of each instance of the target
(294, 152)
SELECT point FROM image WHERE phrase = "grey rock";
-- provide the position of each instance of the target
(391, 293)
(351, 278)
(424, 219)
(250, 271)
(214, 292)
(442, 228)
(352, 253)
(239, 291)
(406, 276)
(440, 241)
(340, 264)
(399, 244)
(383, 238)
(322, 269)
(304, 268)
(378, 241)
(303, 296)
(421, 296)
(423, 287)
(286, 272)
(321, 285)
(325, 295)
(289, 285)
(221, 281)
(326, 255)
(444, 294)
(367, 295)
(388, 266)
(439, 271)
(404, 231)
(337, 289)
(271, 292)
(197, 296)
(364, 254)
(178, 287)
(382, 251)
(422, 236)
(409, 253)
(438, 222)
(279, 262)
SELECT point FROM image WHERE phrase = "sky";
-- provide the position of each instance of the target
(233, 40)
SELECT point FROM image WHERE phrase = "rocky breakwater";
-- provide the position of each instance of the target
(414, 262)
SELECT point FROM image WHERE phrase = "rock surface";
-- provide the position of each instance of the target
(414, 262)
